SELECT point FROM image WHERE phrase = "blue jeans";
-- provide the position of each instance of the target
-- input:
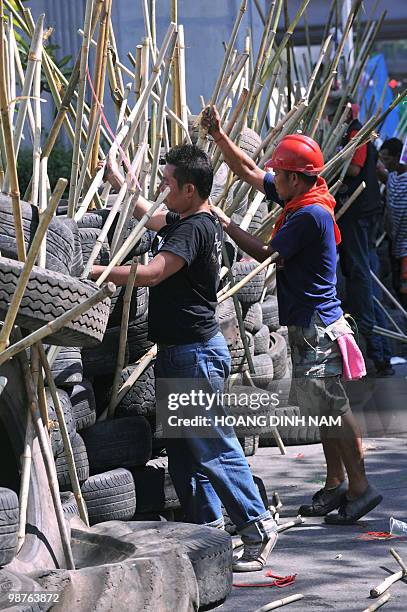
(357, 237)
(208, 471)
(381, 343)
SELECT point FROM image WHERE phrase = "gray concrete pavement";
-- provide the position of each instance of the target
(335, 569)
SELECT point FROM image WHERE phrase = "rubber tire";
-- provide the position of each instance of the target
(249, 141)
(292, 436)
(67, 369)
(77, 261)
(258, 218)
(140, 399)
(278, 353)
(208, 549)
(237, 352)
(261, 340)
(138, 305)
(49, 295)
(155, 491)
(250, 445)
(55, 432)
(69, 505)
(83, 404)
(252, 291)
(88, 238)
(9, 519)
(122, 442)
(60, 240)
(263, 368)
(253, 318)
(110, 496)
(270, 313)
(81, 464)
(96, 219)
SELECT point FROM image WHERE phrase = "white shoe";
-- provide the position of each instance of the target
(255, 555)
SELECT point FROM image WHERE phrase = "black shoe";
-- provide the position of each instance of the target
(351, 511)
(324, 501)
(383, 368)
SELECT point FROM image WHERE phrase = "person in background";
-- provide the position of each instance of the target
(394, 173)
(358, 230)
(305, 237)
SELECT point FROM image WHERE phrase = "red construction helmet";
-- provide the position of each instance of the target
(297, 153)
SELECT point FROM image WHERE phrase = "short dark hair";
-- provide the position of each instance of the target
(192, 165)
(394, 146)
(308, 180)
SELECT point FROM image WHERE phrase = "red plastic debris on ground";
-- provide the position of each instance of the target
(279, 581)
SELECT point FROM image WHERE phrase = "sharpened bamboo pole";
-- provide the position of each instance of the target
(33, 57)
(52, 327)
(83, 513)
(100, 75)
(160, 120)
(31, 257)
(37, 125)
(9, 149)
(231, 44)
(26, 460)
(73, 195)
(47, 458)
(350, 200)
(123, 336)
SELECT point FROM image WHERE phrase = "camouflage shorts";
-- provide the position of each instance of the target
(317, 368)
(314, 349)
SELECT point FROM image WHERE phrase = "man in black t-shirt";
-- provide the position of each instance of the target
(183, 277)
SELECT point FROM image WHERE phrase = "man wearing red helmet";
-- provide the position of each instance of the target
(306, 236)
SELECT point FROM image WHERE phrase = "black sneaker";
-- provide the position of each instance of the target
(324, 501)
(351, 511)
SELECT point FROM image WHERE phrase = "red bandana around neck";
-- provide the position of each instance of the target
(318, 194)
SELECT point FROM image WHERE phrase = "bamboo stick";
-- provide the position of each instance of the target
(160, 119)
(238, 312)
(37, 125)
(388, 294)
(9, 148)
(350, 200)
(112, 214)
(48, 459)
(99, 78)
(141, 365)
(31, 257)
(231, 44)
(386, 584)
(52, 327)
(26, 85)
(378, 604)
(299, 520)
(249, 276)
(390, 334)
(85, 170)
(280, 602)
(288, 52)
(388, 315)
(132, 238)
(26, 460)
(73, 195)
(182, 77)
(65, 437)
(123, 337)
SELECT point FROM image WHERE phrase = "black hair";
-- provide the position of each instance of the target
(394, 146)
(192, 165)
(308, 180)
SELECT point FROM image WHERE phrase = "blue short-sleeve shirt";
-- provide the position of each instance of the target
(306, 269)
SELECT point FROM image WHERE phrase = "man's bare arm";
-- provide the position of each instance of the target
(240, 163)
(248, 243)
(164, 265)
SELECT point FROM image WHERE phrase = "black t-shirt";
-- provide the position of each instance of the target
(182, 307)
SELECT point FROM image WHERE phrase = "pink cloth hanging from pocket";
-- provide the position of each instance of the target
(352, 358)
